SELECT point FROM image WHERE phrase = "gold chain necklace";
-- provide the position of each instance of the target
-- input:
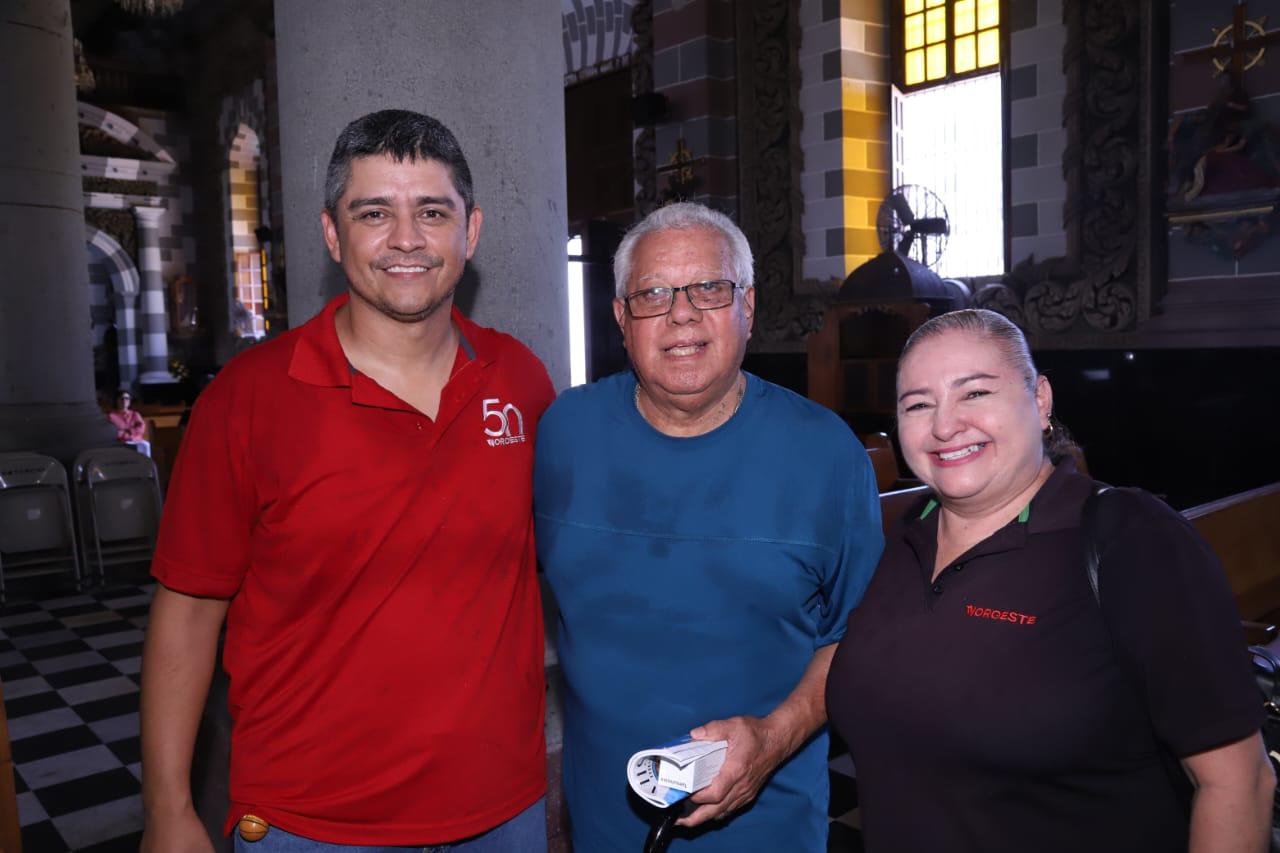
(737, 403)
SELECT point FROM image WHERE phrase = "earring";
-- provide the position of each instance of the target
(1048, 431)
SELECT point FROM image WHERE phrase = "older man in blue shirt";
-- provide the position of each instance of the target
(706, 534)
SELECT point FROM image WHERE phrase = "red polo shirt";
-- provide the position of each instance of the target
(384, 639)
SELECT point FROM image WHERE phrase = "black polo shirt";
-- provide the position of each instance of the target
(999, 708)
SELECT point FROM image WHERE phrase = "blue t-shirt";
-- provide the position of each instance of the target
(696, 577)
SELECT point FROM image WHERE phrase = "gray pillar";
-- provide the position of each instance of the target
(155, 322)
(126, 337)
(46, 348)
(493, 72)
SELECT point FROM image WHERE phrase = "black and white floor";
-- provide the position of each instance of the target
(69, 664)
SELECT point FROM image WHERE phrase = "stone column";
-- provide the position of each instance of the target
(155, 323)
(46, 346)
(496, 79)
(126, 340)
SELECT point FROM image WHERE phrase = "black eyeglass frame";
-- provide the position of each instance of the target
(735, 287)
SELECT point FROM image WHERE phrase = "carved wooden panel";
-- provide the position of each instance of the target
(769, 163)
(646, 169)
(1106, 286)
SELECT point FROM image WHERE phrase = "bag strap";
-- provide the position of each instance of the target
(1089, 531)
(1090, 534)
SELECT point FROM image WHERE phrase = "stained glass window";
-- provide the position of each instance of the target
(943, 39)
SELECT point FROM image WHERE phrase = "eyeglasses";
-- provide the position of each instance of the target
(703, 295)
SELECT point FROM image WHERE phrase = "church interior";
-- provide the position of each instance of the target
(1106, 173)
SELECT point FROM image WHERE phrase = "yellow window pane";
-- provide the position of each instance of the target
(988, 13)
(988, 48)
(915, 67)
(913, 31)
(962, 17)
(912, 6)
(935, 61)
(932, 3)
(935, 25)
(966, 54)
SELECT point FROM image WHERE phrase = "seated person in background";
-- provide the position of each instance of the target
(130, 426)
(990, 702)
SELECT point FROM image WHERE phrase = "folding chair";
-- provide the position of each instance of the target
(118, 498)
(37, 536)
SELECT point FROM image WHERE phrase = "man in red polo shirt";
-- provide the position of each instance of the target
(353, 498)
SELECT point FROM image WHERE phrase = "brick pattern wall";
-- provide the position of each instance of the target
(102, 314)
(164, 152)
(114, 287)
(177, 240)
(243, 187)
(694, 66)
(164, 157)
(1036, 86)
(597, 36)
(844, 102)
(247, 185)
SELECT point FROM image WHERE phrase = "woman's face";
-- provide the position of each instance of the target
(124, 401)
(969, 426)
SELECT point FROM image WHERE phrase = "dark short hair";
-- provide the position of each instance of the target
(400, 135)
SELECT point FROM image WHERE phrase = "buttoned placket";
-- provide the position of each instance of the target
(458, 390)
(923, 543)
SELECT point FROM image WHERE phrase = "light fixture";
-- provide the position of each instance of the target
(159, 8)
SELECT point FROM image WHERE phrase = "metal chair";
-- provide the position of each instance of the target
(37, 536)
(118, 498)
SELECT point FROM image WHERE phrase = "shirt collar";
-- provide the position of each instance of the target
(318, 358)
(1054, 506)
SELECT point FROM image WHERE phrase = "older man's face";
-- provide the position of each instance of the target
(688, 357)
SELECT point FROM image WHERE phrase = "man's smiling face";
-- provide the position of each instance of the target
(402, 235)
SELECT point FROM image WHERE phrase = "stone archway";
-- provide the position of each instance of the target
(121, 130)
(125, 285)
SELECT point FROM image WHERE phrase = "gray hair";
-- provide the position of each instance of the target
(1013, 346)
(979, 321)
(683, 216)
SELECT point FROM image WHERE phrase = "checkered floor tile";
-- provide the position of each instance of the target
(843, 836)
(70, 669)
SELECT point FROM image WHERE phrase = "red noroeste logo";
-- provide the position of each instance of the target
(999, 615)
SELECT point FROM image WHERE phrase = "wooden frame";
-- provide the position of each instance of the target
(897, 51)
(1110, 281)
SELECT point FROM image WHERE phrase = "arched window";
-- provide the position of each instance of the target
(247, 261)
(943, 41)
(948, 122)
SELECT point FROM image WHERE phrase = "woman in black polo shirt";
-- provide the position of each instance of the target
(989, 701)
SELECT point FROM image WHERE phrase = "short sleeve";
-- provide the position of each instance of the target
(862, 540)
(1175, 627)
(540, 387)
(203, 545)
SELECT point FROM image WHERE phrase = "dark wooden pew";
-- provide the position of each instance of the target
(1244, 531)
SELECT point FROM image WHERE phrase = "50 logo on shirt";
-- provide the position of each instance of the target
(507, 425)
